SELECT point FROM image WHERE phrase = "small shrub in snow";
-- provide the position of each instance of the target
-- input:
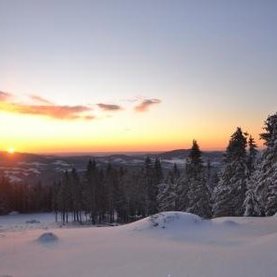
(47, 237)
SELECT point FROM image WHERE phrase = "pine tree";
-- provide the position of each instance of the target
(151, 187)
(250, 204)
(198, 193)
(111, 187)
(271, 203)
(120, 197)
(230, 191)
(136, 193)
(55, 198)
(211, 177)
(158, 172)
(182, 189)
(64, 197)
(5, 196)
(157, 180)
(166, 198)
(77, 193)
(252, 155)
(264, 180)
(90, 190)
(176, 173)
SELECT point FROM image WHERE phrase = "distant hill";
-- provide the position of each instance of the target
(183, 153)
(33, 168)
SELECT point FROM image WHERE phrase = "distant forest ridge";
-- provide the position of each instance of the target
(180, 153)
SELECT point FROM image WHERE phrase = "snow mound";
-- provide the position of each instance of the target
(167, 220)
(47, 238)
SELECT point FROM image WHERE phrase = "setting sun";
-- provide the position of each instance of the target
(11, 150)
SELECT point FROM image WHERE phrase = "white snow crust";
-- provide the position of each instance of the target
(171, 244)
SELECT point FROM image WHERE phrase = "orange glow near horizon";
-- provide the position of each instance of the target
(160, 129)
(145, 144)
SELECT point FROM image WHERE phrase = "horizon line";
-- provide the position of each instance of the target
(85, 153)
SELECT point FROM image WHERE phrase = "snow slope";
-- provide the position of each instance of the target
(171, 244)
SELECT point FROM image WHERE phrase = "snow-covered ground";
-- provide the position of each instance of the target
(172, 244)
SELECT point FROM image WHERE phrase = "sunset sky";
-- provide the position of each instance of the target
(93, 76)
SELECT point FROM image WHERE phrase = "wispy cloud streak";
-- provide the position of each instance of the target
(40, 100)
(146, 104)
(42, 107)
(4, 96)
(36, 105)
(109, 107)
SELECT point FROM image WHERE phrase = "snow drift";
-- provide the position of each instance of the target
(167, 244)
(167, 220)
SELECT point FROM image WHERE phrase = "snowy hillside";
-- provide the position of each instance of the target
(31, 168)
(171, 244)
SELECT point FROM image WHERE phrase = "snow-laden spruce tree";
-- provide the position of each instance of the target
(166, 198)
(252, 154)
(182, 188)
(264, 179)
(251, 207)
(167, 191)
(230, 191)
(194, 196)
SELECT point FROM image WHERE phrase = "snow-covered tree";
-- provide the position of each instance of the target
(152, 176)
(166, 198)
(252, 154)
(229, 194)
(194, 196)
(251, 204)
(182, 188)
(211, 176)
(264, 179)
(251, 207)
(167, 191)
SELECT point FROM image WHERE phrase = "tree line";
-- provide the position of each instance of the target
(106, 195)
(23, 197)
(246, 184)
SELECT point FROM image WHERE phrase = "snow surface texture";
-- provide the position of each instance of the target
(171, 244)
(20, 222)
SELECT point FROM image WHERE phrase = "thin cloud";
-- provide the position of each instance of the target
(5, 96)
(63, 112)
(54, 111)
(40, 100)
(146, 103)
(109, 107)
